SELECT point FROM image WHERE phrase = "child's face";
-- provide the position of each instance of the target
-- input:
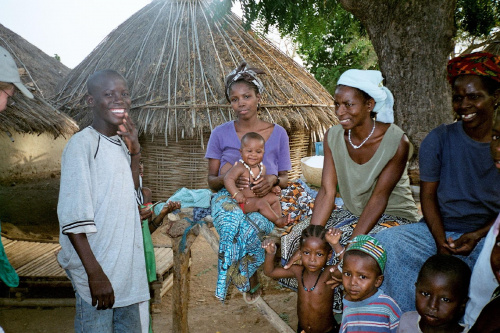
(360, 277)
(437, 300)
(495, 258)
(110, 100)
(315, 253)
(252, 151)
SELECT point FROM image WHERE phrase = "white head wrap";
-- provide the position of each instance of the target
(371, 83)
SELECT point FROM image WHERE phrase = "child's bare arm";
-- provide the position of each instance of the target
(333, 238)
(230, 179)
(269, 269)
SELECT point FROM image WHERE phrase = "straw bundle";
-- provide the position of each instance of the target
(40, 73)
(175, 55)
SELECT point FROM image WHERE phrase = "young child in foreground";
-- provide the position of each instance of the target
(440, 296)
(366, 308)
(315, 298)
(250, 165)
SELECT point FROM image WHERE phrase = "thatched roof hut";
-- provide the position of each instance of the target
(175, 55)
(40, 73)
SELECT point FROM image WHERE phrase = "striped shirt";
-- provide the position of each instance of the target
(378, 313)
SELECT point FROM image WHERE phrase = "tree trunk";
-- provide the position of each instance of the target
(412, 39)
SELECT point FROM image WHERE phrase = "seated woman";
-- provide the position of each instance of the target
(240, 251)
(459, 189)
(367, 159)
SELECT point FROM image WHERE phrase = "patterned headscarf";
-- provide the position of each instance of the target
(242, 73)
(478, 63)
(370, 246)
(370, 82)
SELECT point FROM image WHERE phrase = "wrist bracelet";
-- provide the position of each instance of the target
(340, 253)
(140, 151)
(234, 195)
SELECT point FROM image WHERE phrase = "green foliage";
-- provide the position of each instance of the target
(57, 57)
(477, 17)
(331, 40)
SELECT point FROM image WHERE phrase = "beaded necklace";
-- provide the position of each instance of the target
(260, 165)
(364, 141)
(302, 278)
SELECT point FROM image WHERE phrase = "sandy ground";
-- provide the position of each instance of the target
(28, 210)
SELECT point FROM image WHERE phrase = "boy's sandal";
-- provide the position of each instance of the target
(251, 292)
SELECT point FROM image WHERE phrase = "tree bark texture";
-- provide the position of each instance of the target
(412, 39)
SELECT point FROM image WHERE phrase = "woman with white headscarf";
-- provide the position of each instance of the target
(365, 158)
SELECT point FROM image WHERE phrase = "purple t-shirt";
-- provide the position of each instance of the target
(224, 145)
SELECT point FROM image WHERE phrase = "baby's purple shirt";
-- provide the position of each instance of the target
(224, 145)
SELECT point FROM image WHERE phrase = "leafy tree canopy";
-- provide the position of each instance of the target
(331, 40)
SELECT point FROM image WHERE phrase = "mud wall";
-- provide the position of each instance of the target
(30, 155)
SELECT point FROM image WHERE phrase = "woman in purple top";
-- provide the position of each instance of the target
(240, 252)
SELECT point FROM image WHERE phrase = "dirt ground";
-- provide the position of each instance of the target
(28, 210)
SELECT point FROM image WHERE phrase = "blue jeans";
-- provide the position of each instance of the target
(117, 320)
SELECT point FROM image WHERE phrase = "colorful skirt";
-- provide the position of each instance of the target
(240, 239)
(341, 219)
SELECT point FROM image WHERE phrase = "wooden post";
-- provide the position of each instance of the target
(180, 294)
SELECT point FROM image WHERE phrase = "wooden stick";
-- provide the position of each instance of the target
(180, 294)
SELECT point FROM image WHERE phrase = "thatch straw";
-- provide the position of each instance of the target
(40, 73)
(175, 55)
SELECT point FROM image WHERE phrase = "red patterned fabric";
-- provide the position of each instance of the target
(478, 63)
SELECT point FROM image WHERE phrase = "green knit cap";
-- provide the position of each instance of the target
(370, 246)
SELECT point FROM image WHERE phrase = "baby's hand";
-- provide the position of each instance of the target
(269, 245)
(276, 190)
(240, 198)
(333, 236)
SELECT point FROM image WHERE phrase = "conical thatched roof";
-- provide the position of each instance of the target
(40, 73)
(494, 44)
(175, 55)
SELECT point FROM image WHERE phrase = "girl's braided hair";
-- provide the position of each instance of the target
(313, 231)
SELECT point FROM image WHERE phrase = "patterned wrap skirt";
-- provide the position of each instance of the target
(240, 239)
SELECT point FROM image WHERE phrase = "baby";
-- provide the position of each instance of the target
(251, 166)
(366, 308)
(440, 296)
(315, 298)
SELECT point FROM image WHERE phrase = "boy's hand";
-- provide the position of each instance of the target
(295, 257)
(129, 134)
(269, 245)
(145, 212)
(101, 291)
(335, 277)
(333, 235)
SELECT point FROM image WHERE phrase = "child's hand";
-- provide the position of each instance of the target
(335, 277)
(276, 190)
(170, 207)
(269, 245)
(145, 211)
(240, 198)
(333, 236)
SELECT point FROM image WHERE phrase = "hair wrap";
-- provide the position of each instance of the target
(370, 246)
(478, 63)
(370, 82)
(242, 73)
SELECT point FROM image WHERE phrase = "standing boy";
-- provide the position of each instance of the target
(366, 308)
(101, 239)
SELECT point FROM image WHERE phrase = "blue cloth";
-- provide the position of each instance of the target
(408, 247)
(240, 251)
(192, 198)
(468, 191)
